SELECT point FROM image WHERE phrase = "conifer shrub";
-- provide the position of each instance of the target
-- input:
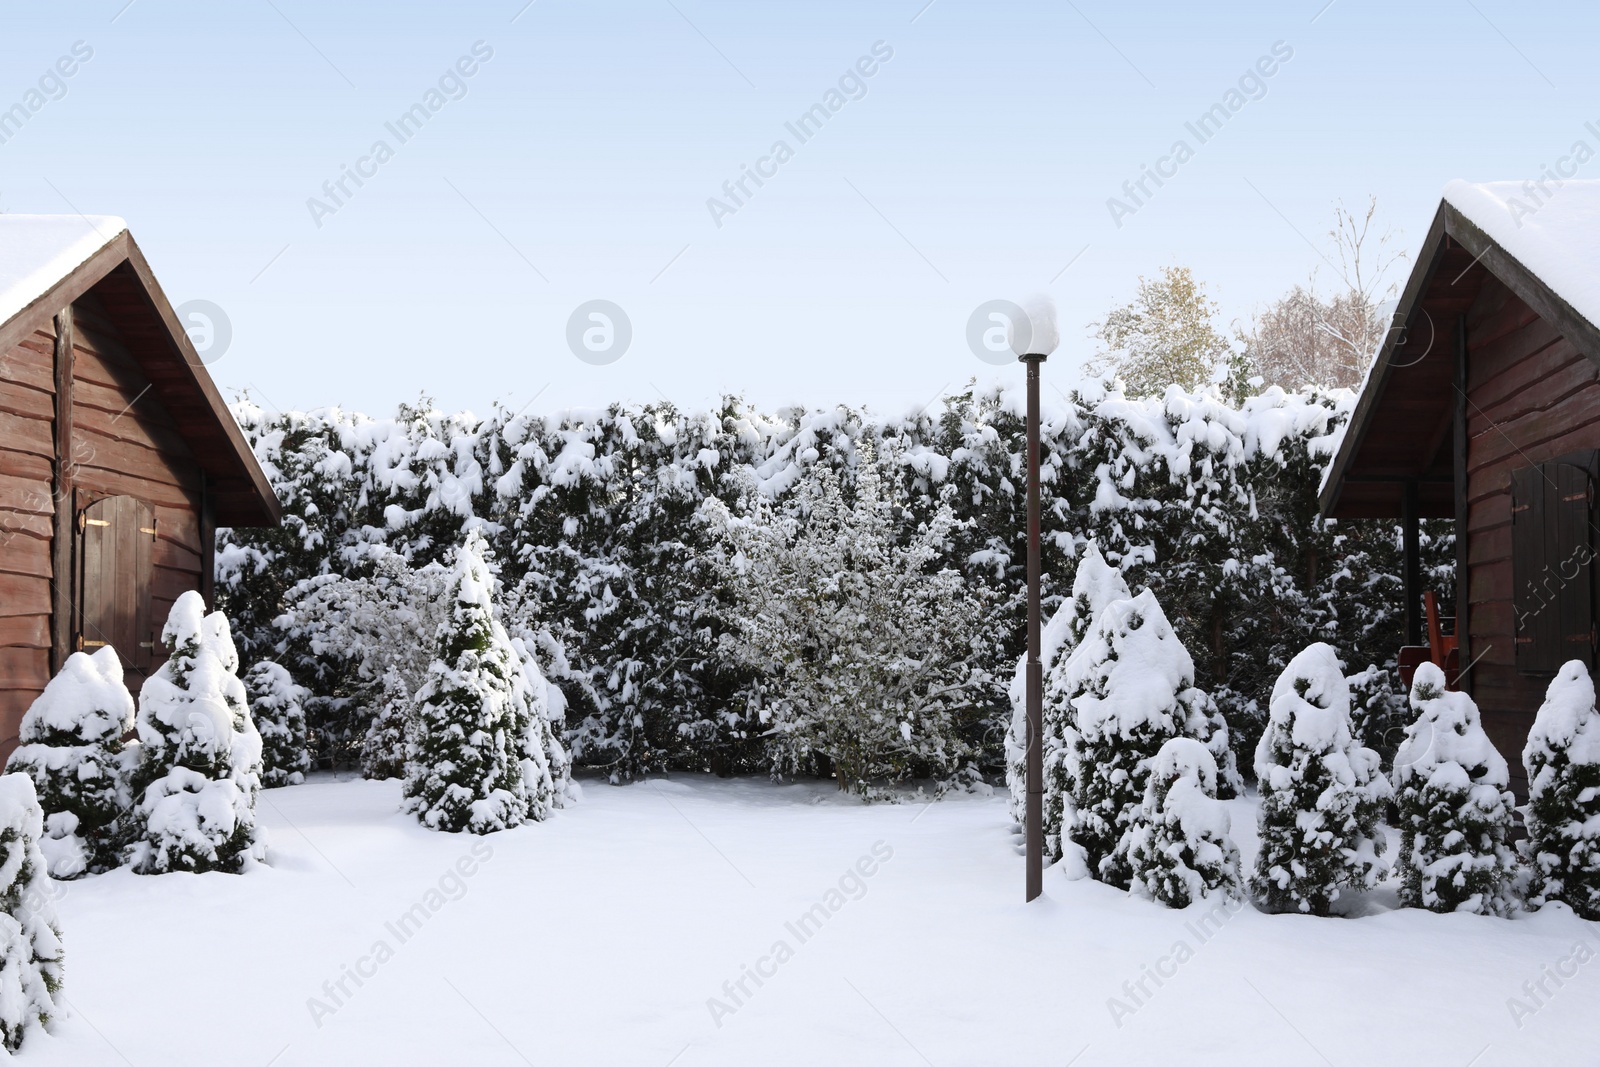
(1322, 793)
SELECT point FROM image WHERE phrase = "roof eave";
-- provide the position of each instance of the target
(1378, 380)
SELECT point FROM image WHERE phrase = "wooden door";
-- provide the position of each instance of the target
(115, 536)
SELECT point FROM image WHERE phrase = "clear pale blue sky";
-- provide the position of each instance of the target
(977, 165)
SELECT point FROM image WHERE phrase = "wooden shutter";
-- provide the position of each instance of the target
(1532, 599)
(1574, 549)
(116, 535)
(1552, 546)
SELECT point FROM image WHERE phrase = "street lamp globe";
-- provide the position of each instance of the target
(1034, 333)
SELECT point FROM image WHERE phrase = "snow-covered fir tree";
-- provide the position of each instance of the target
(71, 746)
(1131, 686)
(867, 639)
(1562, 758)
(30, 936)
(1179, 844)
(1322, 793)
(1456, 812)
(277, 706)
(199, 768)
(467, 729)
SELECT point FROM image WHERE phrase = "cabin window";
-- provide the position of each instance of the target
(1552, 552)
(115, 538)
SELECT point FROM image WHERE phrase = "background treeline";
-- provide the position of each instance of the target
(612, 567)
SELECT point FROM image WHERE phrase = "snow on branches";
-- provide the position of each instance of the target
(1456, 813)
(478, 754)
(1562, 758)
(1130, 684)
(868, 642)
(602, 520)
(199, 768)
(71, 746)
(1322, 794)
(1178, 844)
(30, 936)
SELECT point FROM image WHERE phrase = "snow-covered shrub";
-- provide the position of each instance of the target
(377, 626)
(1455, 811)
(199, 768)
(383, 750)
(466, 733)
(1322, 794)
(276, 706)
(1095, 584)
(71, 746)
(868, 641)
(30, 936)
(1379, 712)
(1131, 687)
(1562, 758)
(1179, 844)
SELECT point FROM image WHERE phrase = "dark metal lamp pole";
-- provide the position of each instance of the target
(1033, 817)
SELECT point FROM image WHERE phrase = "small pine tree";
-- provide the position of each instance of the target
(199, 768)
(1179, 845)
(30, 936)
(1562, 758)
(1455, 812)
(1322, 794)
(1131, 686)
(465, 737)
(71, 746)
(277, 706)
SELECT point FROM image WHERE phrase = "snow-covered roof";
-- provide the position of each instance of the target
(1554, 232)
(1542, 243)
(37, 251)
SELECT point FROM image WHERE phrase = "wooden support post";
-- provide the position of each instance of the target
(208, 546)
(1463, 570)
(1411, 521)
(62, 578)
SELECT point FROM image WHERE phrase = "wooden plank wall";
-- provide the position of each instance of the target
(27, 448)
(126, 443)
(123, 442)
(1533, 397)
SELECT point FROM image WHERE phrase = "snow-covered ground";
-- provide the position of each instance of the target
(600, 935)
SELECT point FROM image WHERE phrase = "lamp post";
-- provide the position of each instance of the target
(1033, 340)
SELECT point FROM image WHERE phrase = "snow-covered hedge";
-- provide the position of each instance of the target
(598, 521)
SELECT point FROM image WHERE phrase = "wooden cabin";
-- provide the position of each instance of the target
(1483, 406)
(118, 457)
